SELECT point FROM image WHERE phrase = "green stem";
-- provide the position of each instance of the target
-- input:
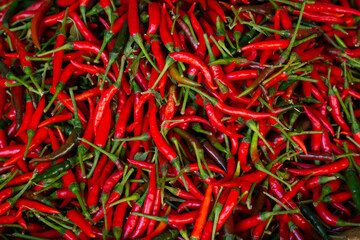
(138, 39)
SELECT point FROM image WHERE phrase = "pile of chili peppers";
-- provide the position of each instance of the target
(179, 119)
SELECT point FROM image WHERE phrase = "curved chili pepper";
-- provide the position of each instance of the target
(160, 142)
(71, 142)
(35, 23)
(174, 73)
(326, 215)
(192, 59)
(335, 113)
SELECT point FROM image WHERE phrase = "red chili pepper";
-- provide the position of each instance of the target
(326, 215)
(316, 17)
(154, 19)
(48, 234)
(192, 59)
(155, 210)
(228, 207)
(338, 197)
(83, 29)
(134, 29)
(147, 208)
(158, 54)
(125, 114)
(316, 181)
(25, 204)
(77, 218)
(29, 110)
(266, 45)
(133, 217)
(39, 137)
(330, 8)
(119, 215)
(35, 23)
(54, 19)
(204, 210)
(336, 113)
(55, 119)
(160, 142)
(63, 99)
(217, 123)
(26, 65)
(172, 219)
(325, 169)
(315, 138)
(250, 222)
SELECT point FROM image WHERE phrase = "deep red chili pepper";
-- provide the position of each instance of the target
(54, 19)
(49, 234)
(158, 54)
(256, 176)
(316, 181)
(323, 119)
(62, 193)
(35, 24)
(134, 29)
(330, 8)
(325, 169)
(29, 110)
